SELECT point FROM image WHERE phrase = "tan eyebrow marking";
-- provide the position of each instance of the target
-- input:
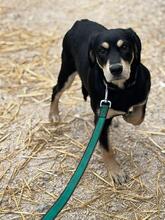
(105, 45)
(120, 43)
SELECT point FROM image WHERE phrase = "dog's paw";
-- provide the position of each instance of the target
(115, 172)
(54, 117)
(118, 175)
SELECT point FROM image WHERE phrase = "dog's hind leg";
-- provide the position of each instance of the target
(65, 79)
(84, 92)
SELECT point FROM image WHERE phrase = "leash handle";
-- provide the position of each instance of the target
(68, 191)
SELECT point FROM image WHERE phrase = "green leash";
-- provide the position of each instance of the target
(68, 191)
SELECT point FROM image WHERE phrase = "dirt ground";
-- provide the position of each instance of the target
(38, 158)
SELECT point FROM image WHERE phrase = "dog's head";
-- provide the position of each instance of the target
(115, 51)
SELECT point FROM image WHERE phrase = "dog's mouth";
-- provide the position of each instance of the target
(118, 78)
(117, 82)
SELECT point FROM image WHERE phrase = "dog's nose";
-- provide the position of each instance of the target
(116, 69)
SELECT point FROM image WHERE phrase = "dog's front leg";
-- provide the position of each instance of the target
(113, 168)
(136, 117)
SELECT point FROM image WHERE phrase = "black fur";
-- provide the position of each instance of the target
(80, 49)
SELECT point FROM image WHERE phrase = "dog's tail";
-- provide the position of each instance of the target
(84, 92)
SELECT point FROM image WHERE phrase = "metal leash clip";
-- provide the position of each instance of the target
(106, 102)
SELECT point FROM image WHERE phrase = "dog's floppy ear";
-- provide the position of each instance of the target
(91, 51)
(137, 44)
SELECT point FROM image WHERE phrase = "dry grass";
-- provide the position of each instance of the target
(38, 158)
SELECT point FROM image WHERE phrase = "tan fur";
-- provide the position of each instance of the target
(136, 117)
(54, 109)
(119, 83)
(112, 113)
(105, 45)
(113, 168)
(120, 43)
(106, 71)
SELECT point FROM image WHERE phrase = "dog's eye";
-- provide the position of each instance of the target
(102, 50)
(124, 47)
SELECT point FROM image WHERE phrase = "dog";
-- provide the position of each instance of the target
(105, 58)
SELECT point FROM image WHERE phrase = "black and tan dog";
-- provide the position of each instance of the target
(105, 57)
